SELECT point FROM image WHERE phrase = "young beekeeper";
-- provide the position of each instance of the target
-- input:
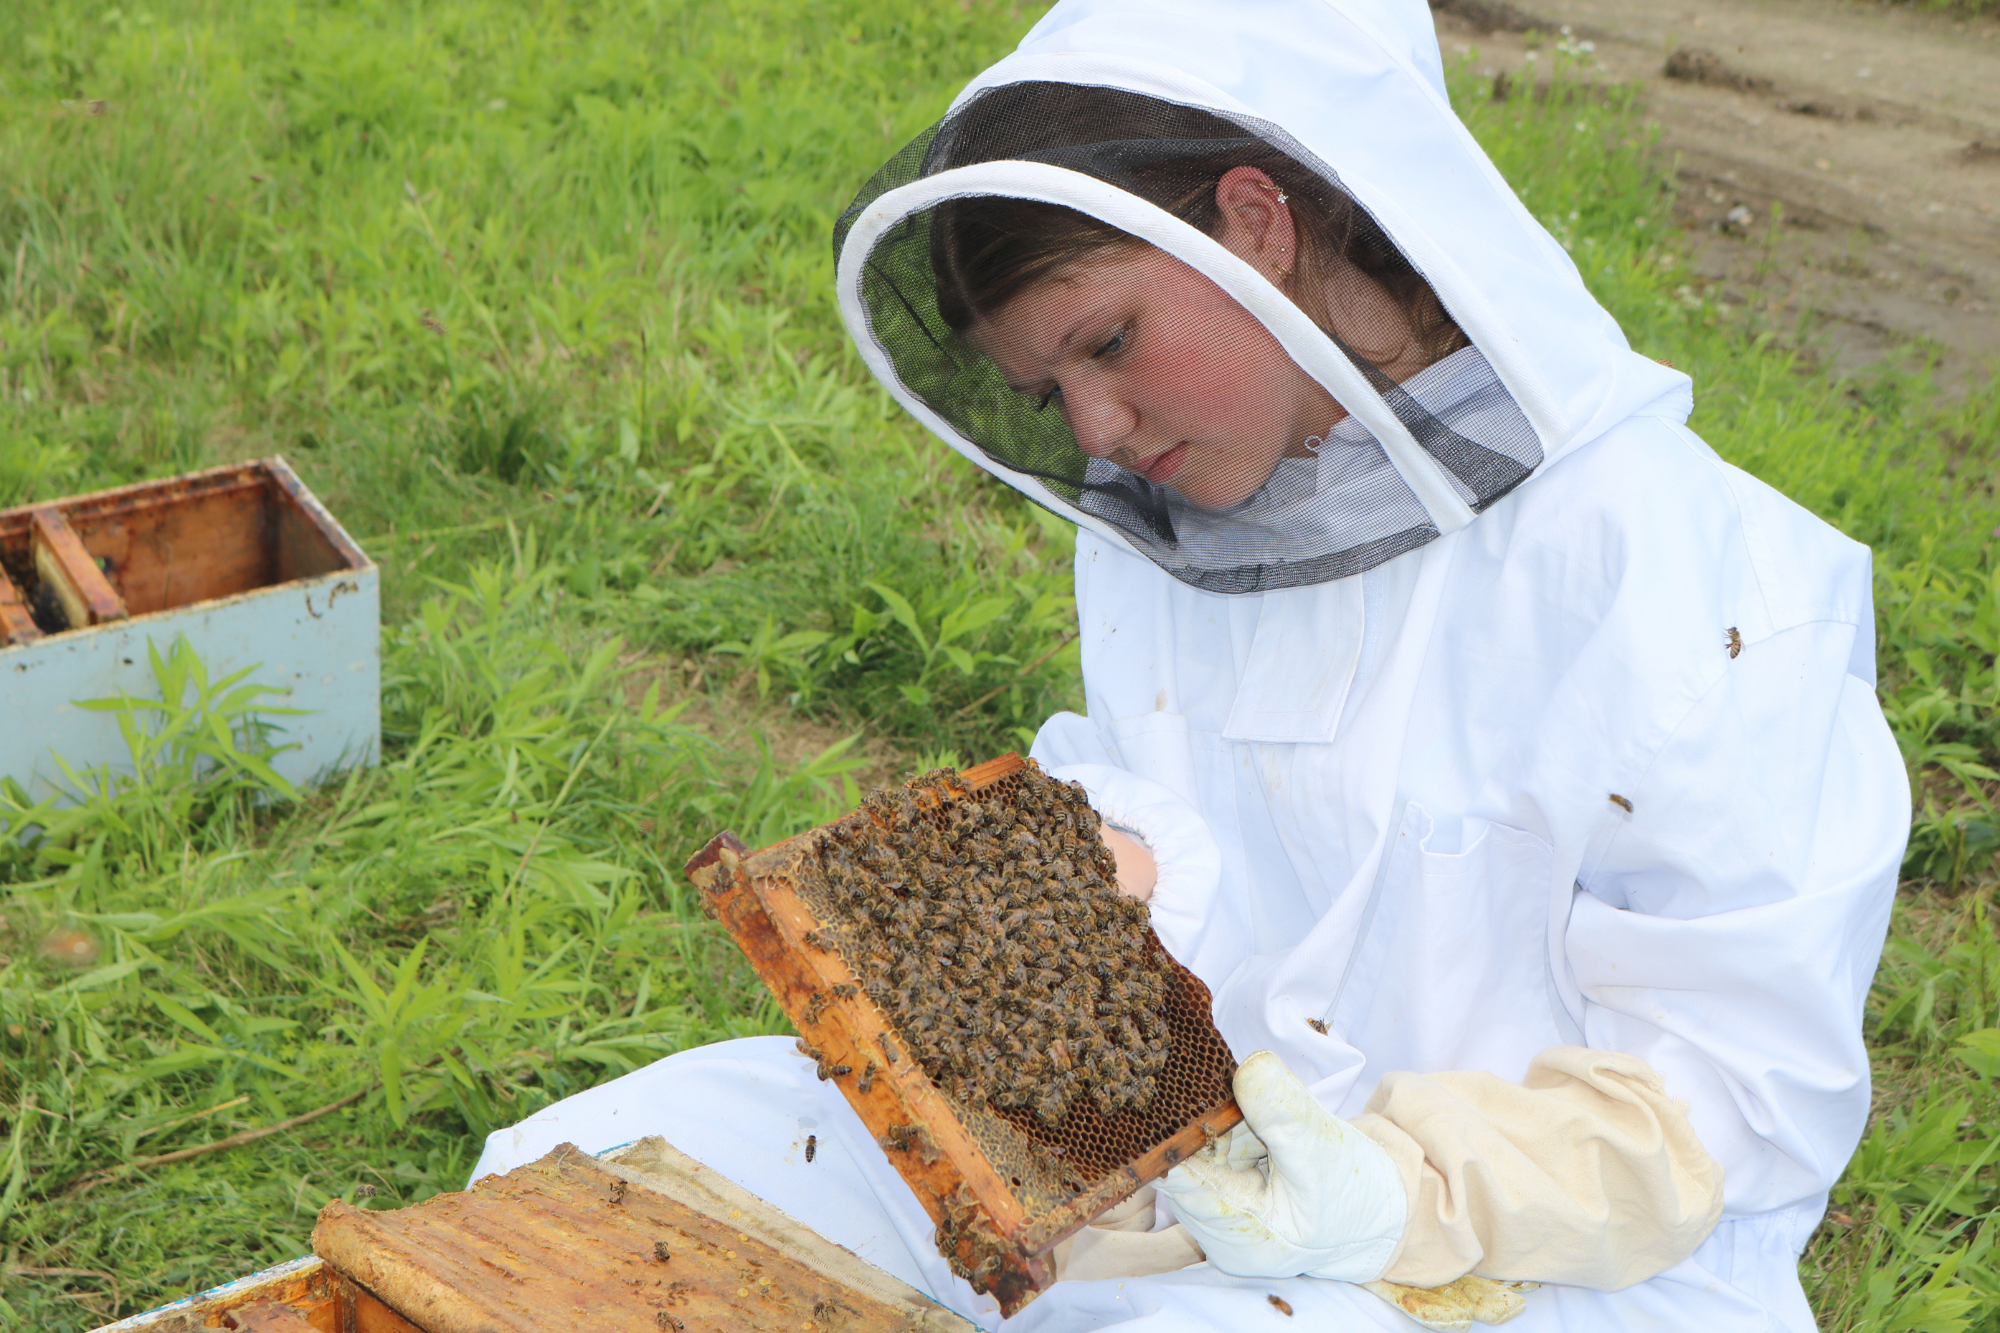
(1507, 764)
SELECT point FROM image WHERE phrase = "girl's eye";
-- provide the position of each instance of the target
(1112, 345)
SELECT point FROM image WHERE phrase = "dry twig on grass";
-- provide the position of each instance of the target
(85, 1183)
(25, 1270)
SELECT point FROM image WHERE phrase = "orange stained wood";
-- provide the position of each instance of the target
(753, 897)
(319, 1297)
(16, 624)
(852, 1034)
(87, 597)
(291, 1298)
(190, 544)
(371, 1316)
(563, 1243)
(267, 1317)
(193, 538)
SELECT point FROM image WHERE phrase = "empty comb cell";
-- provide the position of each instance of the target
(956, 957)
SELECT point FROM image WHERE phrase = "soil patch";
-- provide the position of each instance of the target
(1874, 132)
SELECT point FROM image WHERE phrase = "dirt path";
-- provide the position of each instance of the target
(1875, 129)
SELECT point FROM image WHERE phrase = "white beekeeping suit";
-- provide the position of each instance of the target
(1512, 763)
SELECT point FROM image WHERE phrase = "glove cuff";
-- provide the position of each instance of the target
(1185, 853)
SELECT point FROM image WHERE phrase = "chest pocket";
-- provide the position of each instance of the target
(1451, 968)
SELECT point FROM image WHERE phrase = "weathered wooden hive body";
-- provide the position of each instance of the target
(642, 1240)
(242, 561)
(1003, 1186)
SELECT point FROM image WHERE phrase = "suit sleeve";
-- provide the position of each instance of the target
(1722, 944)
(1731, 928)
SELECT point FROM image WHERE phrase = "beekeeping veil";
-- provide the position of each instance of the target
(1123, 110)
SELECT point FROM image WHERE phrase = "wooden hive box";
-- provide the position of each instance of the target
(242, 561)
(1002, 1189)
(643, 1240)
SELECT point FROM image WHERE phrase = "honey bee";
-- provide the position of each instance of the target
(667, 1321)
(1735, 643)
(845, 990)
(812, 1146)
(660, 1251)
(808, 1050)
(1281, 1305)
(1621, 802)
(1317, 1025)
(814, 1004)
(867, 1079)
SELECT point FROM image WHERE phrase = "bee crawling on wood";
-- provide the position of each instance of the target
(667, 1321)
(867, 1078)
(814, 1005)
(660, 1251)
(845, 990)
(618, 1188)
(818, 939)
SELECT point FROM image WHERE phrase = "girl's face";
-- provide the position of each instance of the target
(1159, 371)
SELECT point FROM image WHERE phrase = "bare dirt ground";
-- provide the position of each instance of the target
(1874, 129)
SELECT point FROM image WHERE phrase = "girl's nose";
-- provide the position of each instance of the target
(1099, 421)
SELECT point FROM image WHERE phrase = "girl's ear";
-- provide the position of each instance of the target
(1257, 222)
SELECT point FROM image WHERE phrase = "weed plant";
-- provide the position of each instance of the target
(538, 298)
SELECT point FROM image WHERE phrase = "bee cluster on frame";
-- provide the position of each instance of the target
(989, 929)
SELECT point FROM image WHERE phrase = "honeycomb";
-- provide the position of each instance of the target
(987, 927)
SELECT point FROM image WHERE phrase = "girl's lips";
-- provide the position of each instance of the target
(1164, 465)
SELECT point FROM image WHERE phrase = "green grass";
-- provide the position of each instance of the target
(537, 298)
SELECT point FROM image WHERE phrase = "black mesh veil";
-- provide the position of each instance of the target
(1326, 497)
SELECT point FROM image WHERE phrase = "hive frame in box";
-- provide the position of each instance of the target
(242, 561)
(980, 1219)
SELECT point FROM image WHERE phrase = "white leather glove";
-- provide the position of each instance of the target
(1294, 1189)
(1184, 852)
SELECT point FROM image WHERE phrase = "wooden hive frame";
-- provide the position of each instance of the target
(984, 1225)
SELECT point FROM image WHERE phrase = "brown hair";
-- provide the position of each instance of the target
(988, 249)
